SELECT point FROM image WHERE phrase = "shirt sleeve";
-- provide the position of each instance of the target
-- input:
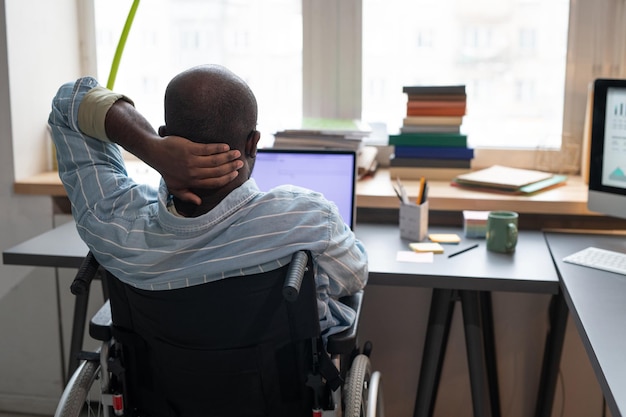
(341, 270)
(92, 169)
(345, 261)
(93, 110)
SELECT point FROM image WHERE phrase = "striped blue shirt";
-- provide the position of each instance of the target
(131, 232)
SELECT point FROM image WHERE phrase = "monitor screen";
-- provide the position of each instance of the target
(330, 172)
(607, 167)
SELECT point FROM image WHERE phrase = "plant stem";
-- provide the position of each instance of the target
(120, 46)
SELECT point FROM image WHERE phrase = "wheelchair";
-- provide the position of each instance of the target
(267, 359)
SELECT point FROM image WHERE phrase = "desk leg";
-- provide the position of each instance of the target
(476, 355)
(552, 355)
(439, 319)
(490, 351)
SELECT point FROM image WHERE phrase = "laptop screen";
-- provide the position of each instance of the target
(329, 172)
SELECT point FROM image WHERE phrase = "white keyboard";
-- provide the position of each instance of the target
(603, 259)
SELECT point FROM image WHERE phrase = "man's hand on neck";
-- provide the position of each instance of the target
(183, 164)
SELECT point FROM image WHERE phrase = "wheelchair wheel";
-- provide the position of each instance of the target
(74, 399)
(357, 386)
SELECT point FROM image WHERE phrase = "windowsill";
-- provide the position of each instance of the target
(49, 183)
(377, 193)
(569, 199)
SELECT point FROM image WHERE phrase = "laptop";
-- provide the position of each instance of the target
(329, 172)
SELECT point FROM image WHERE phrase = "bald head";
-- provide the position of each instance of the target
(208, 104)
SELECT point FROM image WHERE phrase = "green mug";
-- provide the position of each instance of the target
(502, 231)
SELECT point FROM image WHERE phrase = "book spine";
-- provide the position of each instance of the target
(438, 97)
(430, 129)
(432, 174)
(433, 152)
(432, 121)
(435, 111)
(430, 162)
(434, 89)
(429, 139)
(420, 104)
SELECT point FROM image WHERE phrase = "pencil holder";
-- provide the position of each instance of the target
(414, 221)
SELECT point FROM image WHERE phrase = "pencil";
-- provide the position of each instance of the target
(420, 193)
(463, 250)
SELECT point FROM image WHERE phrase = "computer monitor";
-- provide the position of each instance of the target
(607, 167)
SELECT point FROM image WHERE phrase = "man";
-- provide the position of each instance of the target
(216, 226)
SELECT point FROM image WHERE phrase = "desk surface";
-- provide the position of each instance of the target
(528, 269)
(377, 192)
(597, 302)
(60, 247)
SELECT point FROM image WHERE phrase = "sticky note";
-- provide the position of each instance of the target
(444, 237)
(433, 247)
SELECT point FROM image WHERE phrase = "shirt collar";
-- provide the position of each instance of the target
(172, 221)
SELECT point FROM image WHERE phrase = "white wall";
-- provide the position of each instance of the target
(38, 51)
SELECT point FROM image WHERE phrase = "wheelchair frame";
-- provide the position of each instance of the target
(359, 396)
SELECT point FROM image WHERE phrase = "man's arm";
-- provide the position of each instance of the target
(182, 163)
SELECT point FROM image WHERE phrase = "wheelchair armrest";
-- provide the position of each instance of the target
(345, 341)
(298, 266)
(84, 276)
(101, 323)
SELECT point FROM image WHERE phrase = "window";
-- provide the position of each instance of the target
(510, 55)
(526, 64)
(260, 41)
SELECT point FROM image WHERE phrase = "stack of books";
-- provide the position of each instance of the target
(430, 143)
(320, 133)
(332, 134)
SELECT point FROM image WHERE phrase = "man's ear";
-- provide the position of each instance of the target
(163, 131)
(252, 142)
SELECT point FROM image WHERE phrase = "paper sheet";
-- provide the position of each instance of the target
(410, 256)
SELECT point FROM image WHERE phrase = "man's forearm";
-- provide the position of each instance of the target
(125, 126)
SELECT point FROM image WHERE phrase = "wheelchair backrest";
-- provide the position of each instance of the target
(229, 347)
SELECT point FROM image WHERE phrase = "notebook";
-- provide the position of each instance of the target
(329, 172)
